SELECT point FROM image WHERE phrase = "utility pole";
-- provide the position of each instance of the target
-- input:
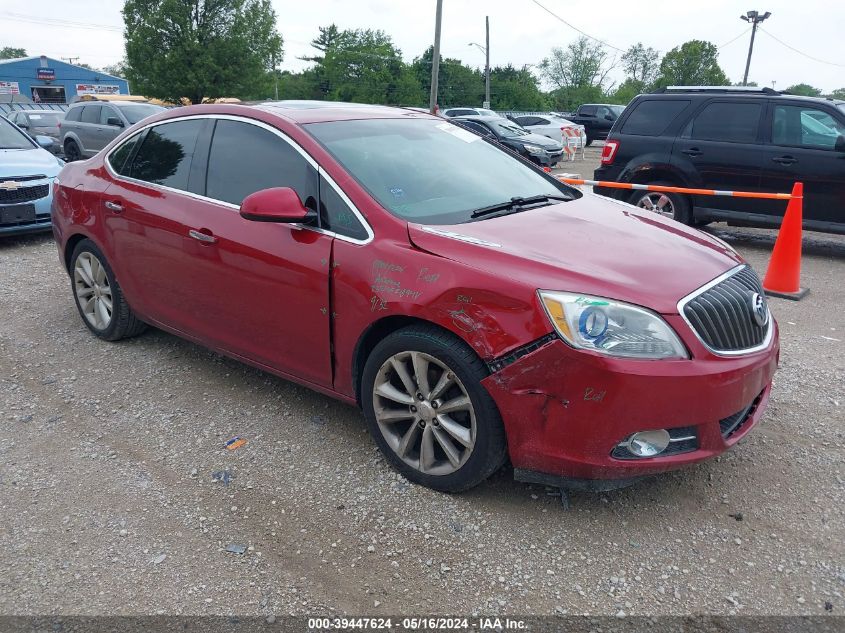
(487, 66)
(435, 59)
(755, 18)
(276, 78)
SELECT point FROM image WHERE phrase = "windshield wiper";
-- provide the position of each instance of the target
(517, 203)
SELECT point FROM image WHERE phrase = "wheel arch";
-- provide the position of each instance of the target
(70, 244)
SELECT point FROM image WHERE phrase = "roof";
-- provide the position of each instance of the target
(57, 62)
(304, 112)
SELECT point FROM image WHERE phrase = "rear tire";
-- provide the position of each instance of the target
(409, 381)
(72, 151)
(669, 205)
(98, 296)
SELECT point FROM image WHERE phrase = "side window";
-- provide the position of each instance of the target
(730, 122)
(805, 127)
(522, 120)
(245, 158)
(588, 111)
(106, 113)
(13, 117)
(336, 215)
(541, 121)
(90, 114)
(652, 118)
(73, 114)
(165, 155)
(478, 128)
(119, 157)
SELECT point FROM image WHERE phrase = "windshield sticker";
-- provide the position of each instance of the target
(397, 193)
(454, 130)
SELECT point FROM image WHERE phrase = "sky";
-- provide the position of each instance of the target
(521, 32)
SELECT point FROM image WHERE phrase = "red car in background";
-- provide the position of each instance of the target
(476, 308)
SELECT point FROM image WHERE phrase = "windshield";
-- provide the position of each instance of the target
(508, 129)
(135, 113)
(617, 110)
(11, 137)
(45, 119)
(428, 171)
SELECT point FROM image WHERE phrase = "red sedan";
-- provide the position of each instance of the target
(473, 306)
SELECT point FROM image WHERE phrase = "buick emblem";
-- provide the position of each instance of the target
(759, 308)
(9, 185)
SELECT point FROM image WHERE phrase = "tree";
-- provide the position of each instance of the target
(200, 48)
(515, 89)
(694, 63)
(839, 93)
(118, 69)
(804, 90)
(641, 64)
(458, 84)
(579, 73)
(10, 52)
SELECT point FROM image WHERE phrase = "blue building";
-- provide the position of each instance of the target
(47, 80)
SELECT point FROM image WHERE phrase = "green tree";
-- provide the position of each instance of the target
(804, 90)
(515, 89)
(694, 63)
(200, 48)
(839, 93)
(10, 52)
(118, 69)
(458, 84)
(579, 73)
(641, 65)
(626, 91)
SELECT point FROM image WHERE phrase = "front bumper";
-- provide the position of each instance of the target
(565, 410)
(42, 220)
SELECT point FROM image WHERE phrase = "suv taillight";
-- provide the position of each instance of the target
(609, 152)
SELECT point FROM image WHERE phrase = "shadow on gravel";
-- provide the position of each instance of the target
(815, 244)
(28, 239)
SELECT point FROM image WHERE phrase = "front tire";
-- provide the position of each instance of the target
(98, 296)
(72, 151)
(428, 412)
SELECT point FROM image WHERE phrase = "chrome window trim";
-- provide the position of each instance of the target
(730, 353)
(229, 205)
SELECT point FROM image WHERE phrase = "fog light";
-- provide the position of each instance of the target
(648, 443)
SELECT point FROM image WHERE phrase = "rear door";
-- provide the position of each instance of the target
(719, 148)
(807, 144)
(88, 129)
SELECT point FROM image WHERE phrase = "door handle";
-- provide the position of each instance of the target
(206, 238)
(692, 152)
(114, 206)
(785, 160)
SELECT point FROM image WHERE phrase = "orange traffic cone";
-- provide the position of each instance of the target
(783, 278)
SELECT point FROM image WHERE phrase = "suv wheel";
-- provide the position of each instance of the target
(670, 205)
(72, 151)
(428, 412)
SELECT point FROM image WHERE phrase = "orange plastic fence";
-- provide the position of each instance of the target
(665, 189)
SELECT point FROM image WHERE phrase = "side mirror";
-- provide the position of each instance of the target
(840, 144)
(44, 141)
(113, 120)
(278, 204)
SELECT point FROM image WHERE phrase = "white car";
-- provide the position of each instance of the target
(453, 112)
(554, 127)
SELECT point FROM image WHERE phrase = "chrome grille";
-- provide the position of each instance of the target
(23, 194)
(722, 313)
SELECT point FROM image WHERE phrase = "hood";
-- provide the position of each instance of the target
(27, 162)
(538, 139)
(591, 245)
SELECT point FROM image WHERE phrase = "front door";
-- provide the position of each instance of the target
(807, 145)
(721, 145)
(254, 289)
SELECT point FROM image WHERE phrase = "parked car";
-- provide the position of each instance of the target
(552, 126)
(535, 147)
(453, 112)
(27, 170)
(40, 123)
(92, 124)
(745, 139)
(474, 306)
(597, 119)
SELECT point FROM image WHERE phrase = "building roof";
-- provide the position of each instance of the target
(55, 61)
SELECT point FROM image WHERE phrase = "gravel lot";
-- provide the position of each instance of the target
(109, 502)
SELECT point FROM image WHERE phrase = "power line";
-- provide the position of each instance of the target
(731, 41)
(44, 21)
(792, 48)
(575, 28)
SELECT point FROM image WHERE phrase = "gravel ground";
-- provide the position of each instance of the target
(112, 501)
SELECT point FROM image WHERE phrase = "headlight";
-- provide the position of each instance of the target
(534, 149)
(611, 327)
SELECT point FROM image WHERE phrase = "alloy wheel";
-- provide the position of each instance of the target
(659, 203)
(424, 413)
(93, 292)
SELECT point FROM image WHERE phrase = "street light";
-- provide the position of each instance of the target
(486, 51)
(754, 18)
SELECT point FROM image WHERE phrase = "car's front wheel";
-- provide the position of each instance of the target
(670, 205)
(72, 151)
(98, 296)
(428, 412)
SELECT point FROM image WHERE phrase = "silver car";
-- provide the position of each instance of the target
(40, 123)
(91, 125)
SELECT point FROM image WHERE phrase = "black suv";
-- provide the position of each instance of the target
(740, 139)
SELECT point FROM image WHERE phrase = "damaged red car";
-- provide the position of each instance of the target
(475, 308)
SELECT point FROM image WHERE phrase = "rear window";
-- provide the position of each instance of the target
(651, 118)
(730, 122)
